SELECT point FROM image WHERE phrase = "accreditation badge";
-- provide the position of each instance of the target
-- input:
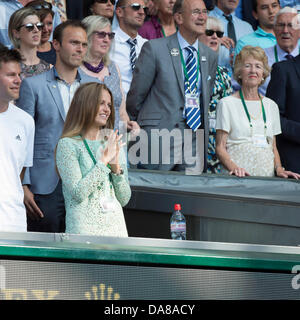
(259, 140)
(191, 100)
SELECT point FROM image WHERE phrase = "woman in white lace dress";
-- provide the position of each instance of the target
(247, 123)
(92, 166)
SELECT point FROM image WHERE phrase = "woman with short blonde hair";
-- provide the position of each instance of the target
(247, 123)
(257, 53)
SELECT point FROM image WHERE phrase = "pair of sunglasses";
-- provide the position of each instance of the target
(41, 6)
(209, 33)
(105, 1)
(30, 26)
(103, 34)
(136, 7)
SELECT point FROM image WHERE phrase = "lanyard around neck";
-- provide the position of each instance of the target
(91, 153)
(185, 70)
(276, 53)
(247, 112)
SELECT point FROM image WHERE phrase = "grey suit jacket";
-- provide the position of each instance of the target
(40, 97)
(156, 95)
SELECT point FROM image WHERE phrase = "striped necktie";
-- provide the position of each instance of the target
(132, 43)
(193, 114)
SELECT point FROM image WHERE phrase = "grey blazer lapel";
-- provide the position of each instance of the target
(55, 93)
(174, 52)
(205, 77)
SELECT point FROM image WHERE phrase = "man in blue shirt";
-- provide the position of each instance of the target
(224, 10)
(264, 11)
(7, 8)
(234, 29)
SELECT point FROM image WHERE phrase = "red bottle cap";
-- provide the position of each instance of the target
(177, 207)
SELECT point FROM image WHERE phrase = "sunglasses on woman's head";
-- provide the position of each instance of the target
(30, 26)
(209, 33)
(103, 34)
(42, 6)
(105, 1)
(136, 7)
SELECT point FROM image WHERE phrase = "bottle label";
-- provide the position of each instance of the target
(178, 227)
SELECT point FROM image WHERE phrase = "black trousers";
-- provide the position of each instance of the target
(53, 208)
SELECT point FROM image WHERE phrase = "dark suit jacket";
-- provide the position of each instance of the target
(284, 89)
(247, 6)
(75, 9)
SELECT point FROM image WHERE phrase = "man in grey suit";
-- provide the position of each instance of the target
(174, 78)
(46, 97)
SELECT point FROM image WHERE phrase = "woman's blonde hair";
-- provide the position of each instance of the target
(94, 23)
(213, 22)
(16, 21)
(84, 108)
(254, 52)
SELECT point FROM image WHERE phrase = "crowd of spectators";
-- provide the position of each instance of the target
(185, 85)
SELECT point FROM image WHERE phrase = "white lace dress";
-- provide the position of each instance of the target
(231, 118)
(85, 185)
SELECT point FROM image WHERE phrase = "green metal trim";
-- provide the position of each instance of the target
(160, 256)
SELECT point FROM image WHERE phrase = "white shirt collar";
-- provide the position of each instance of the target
(282, 53)
(220, 13)
(122, 36)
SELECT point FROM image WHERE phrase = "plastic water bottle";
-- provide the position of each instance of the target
(178, 224)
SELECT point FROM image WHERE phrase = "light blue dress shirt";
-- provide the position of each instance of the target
(258, 38)
(7, 8)
(290, 3)
(242, 28)
(224, 59)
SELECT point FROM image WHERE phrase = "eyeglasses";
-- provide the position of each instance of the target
(41, 6)
(197, 12)
(105, 1)
(281, 26)
(209, 33)
(103, 34)
(30, 26)
(136, 7)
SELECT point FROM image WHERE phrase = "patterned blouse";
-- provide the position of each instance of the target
(32, 70)
(222, 88)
